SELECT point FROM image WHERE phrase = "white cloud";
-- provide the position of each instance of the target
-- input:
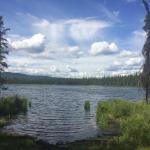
(103, 48)
(86, 29)
(70, 49)
(71, 69)
(126, 64)
(42, 24)
(27, 70)
(134, 61)
(58, 51)
(54, 31)
(32, 44)
(77, 29)
(128, 54)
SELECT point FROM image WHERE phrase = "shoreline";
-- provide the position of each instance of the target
(44, 145)
(40, 144)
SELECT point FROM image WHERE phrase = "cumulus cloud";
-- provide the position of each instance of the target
(134, 61)
(56, 51)
(103, 48)
(33, 44)
(127, 64)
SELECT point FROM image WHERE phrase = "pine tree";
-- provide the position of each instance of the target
(3, 49)
(146, 53)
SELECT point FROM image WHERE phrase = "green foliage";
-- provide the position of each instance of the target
(3, 121)
(12, 105)
(143, 148)
(9, 142)
(87, 105)
(3, 48)
(132, 118)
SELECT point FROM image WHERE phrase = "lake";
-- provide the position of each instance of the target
(57, 113)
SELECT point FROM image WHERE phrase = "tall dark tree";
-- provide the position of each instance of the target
(3, 49)
(146, 53)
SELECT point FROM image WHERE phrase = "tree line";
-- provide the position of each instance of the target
(127, 80)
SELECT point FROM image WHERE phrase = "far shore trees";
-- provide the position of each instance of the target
(3, 50)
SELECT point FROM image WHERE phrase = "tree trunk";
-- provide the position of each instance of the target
(147, 94)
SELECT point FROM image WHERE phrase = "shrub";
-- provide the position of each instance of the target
(12, 105)
(133, 119)
(87, 105)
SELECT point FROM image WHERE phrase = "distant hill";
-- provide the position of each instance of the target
(23, 78)
(19, 78)
(10, 75)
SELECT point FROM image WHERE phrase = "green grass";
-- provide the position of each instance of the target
(14, 142)
(87, 105)
(13, 105)
(131, 119)
(143, 148)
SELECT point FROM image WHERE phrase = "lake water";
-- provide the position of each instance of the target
(57, 113)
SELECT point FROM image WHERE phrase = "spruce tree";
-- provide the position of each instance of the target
(146, 53)
(3, 49)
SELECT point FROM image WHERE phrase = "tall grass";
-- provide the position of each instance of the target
(87, 105)
(132, 119)
(12, 105)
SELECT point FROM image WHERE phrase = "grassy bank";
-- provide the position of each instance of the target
(125, 124)
(13, 105)
(129, 120)
(10, 106)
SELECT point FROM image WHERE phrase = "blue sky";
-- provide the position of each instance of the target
(74, 38)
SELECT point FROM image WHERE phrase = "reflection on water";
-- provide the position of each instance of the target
(57, 113)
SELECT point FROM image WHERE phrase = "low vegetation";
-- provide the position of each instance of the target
(87, 105)
(130, 120)
(12, 105)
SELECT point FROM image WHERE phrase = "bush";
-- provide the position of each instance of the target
(132, 118)
(87, 105)
(12, 105)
